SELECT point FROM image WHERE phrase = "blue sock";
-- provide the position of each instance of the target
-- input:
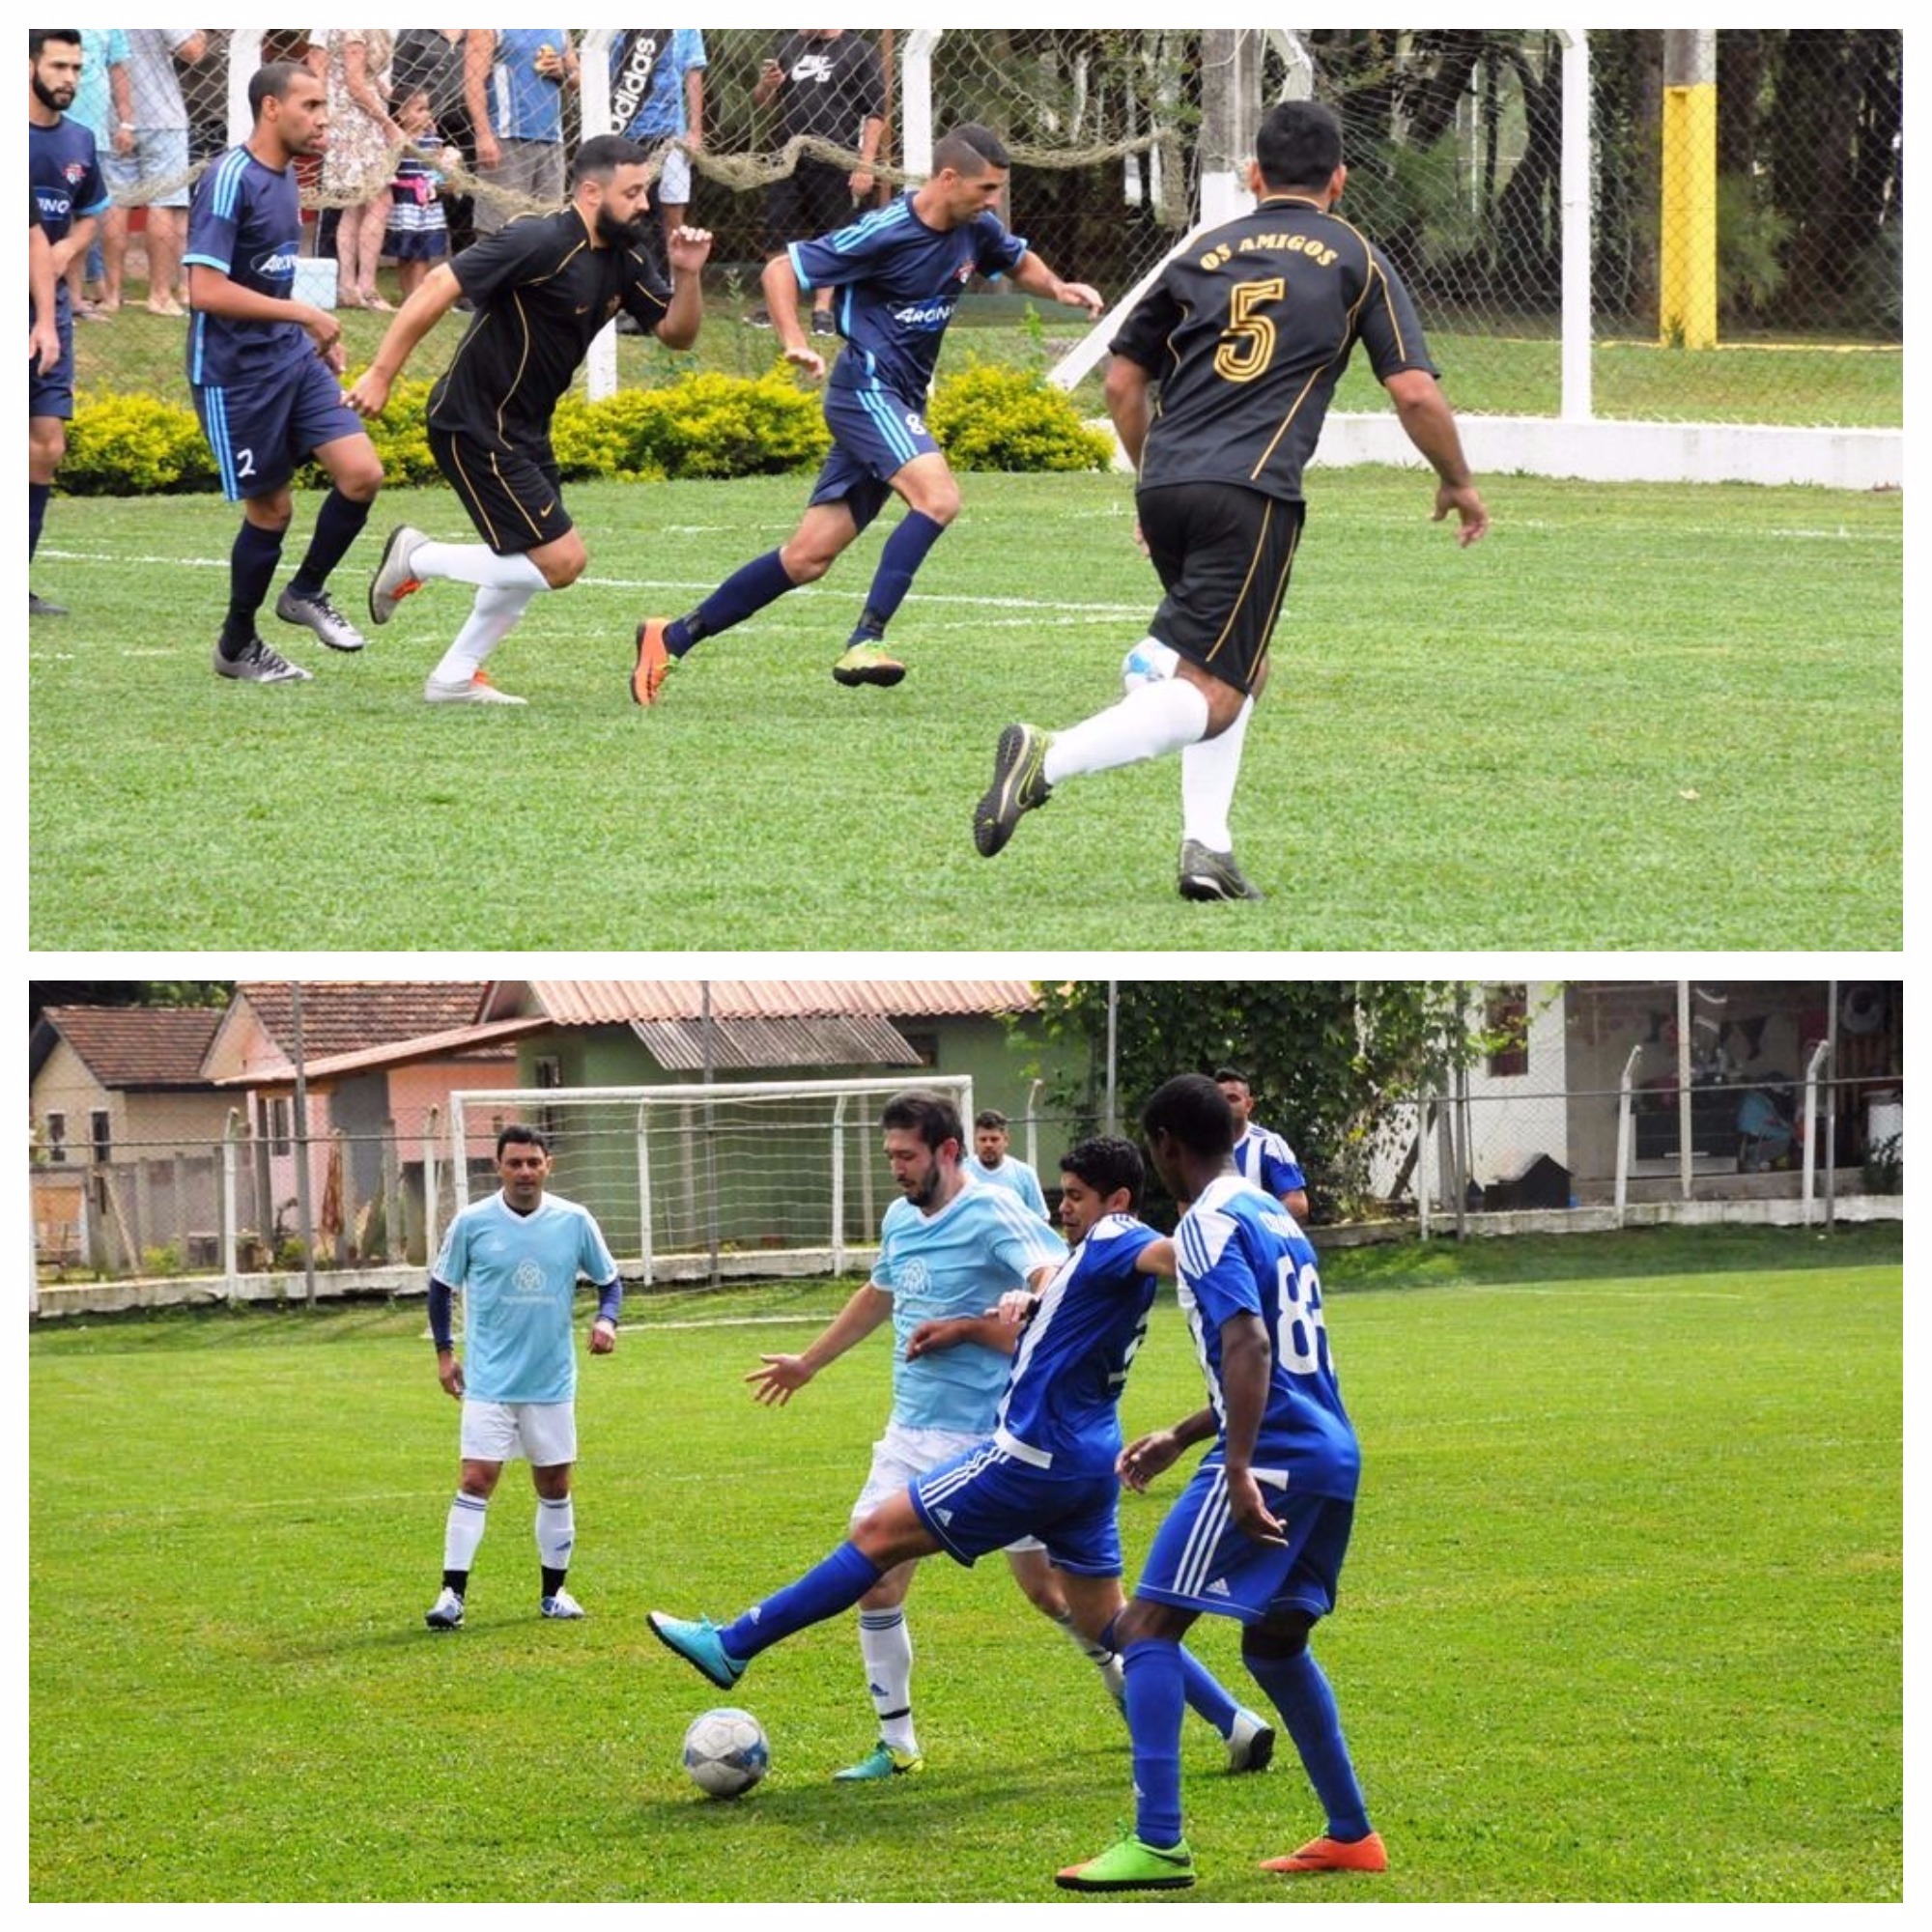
(1300, 1692)
(1154, 1703)
(835, 1585)
(37, 514)
(744, 593)
(1206, 1696)
(898, 564)
(337, 525)
(251, 569)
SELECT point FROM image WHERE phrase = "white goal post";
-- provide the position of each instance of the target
(701, 1181)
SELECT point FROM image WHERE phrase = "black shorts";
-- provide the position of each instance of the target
(812, 200)
(1224, 554)
(514, 501)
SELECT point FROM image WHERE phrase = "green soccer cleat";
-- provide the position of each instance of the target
(867, 664)
(1019, 785)
(1131, 1866)
(1207, 874)
(697, 1642)
(882, 1761)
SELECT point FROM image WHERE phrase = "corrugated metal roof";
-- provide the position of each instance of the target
(750, 1044)
(138, 1046)
(608, 1002)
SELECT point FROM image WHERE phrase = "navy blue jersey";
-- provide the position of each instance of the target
(246, 221)
(1247, 331)
(1239, 1251)
(65, 174)
(898, 282)
(1061, 1405)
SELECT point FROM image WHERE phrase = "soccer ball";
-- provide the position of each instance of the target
(725, 1752)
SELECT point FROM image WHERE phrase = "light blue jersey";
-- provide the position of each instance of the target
(1062, 1407)
(518, 1273)
(1012, 1174)
(957, 1263)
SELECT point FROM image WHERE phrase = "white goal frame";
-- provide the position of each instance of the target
(648, 1264)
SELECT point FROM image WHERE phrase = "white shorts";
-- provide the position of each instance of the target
(674, 178)
(543, 1434)
(900, 1453)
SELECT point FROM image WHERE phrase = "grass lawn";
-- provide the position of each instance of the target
(1639, 717)
(1622, 1620)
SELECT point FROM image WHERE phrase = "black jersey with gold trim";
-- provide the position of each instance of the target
(1247, 332)
(542, 294)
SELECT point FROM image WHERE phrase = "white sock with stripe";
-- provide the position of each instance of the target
(886, 1646)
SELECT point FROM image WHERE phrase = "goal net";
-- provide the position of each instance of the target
(742, 1178)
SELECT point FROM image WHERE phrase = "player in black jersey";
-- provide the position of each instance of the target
(1244, 337)
(543, 289)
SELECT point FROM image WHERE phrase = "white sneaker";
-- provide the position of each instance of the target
(478, 689)
(1250, 1744)
(563, 1604)
(446, 1613)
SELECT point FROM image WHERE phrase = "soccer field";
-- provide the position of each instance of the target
(1638, 716)
(1623, 1618)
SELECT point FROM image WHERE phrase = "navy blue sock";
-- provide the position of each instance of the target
(1298, 1689)
(37, 514)
(835, 1585)
(337, 525)
(898, 564)
(1154, 1704)
(251, 569)
(742, 594)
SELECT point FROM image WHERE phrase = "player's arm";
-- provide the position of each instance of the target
(1246, 1365)
(1148, 1456)
(1035, 279)
(998, 1329)
(782, 1375)
(1429, 424)
(687, 249)
(1129, 392)
(604, 1324)
(781, 285)
(42, 332)
(435, 297)
(448, 1370)
(213, 293)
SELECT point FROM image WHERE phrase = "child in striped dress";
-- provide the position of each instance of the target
(418, 236)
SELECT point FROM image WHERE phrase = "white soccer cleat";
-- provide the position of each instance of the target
(1250, 1742)
(446, 1613)
(477, 690)
(563, 1604)
(395, 574)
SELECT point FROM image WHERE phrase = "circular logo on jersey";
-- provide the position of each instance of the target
(528, 1278)
(911, 1277)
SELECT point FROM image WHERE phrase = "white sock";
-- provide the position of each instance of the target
(474, 563)
(1099, 1656)
(886, 1646)
(469, 1517)
(1207, 774)
(1153, 718)
(556, 1531)
(492, 618)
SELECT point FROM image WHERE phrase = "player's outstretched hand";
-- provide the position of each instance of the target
(1466, 500)
(808, 358)
(688, 249)
(779, 1380)
(1250, 1512)
(1079, 294)
(1143, 1458)
(369, 394)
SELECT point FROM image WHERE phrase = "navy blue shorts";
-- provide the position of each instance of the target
(1201, 1560)
(262, 432)
(51, 391)
(987, 1499)
(874, 436)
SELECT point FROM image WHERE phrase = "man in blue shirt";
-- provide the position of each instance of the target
(899, 273)
(1260, 1155)
(529, 69)
(1261, 1531)
(64, 171)
(991, 1160)
(265, 372)
(517, 1257)
(1041, 1476)
(657, 96)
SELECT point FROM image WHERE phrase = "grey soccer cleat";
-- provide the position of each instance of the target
(394, 579)
(1207, 874)
(259, 664)
(315, 612)
(446, 1613)
(1019, 785)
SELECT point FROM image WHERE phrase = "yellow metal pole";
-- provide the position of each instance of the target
(1687, 255)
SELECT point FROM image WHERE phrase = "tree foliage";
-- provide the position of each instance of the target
(1329, 1061)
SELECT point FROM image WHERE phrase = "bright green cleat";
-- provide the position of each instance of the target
(882, 1761)
(1131, 1866)
(867, 664)
(1019, 785)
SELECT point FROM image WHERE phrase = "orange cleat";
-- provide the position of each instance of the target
(653, 663)
(1329, 1855)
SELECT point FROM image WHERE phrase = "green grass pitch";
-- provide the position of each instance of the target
(1635, 717)
(1623, 1618)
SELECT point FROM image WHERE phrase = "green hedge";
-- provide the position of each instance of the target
(704, 425)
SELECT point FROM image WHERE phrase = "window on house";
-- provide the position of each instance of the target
(547, 1070)
(278, 1125)
(1506, 1020)
(56, 1137)
(101, 1131)
(925, 1045)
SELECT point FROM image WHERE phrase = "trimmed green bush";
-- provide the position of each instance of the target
(989, 417)
(135, 446)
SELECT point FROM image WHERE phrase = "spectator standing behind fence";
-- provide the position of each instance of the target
(148, 167)
(418, 236)
(433, 57)
(64, 179)
(104, 102)
(357, 163)
(522, 72)
(657, 95)
(830, 86)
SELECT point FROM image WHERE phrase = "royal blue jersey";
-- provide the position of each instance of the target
(898, 282)
(1263, 1157)
(1061, 1407)
(1015, 1176)
(246, 221)
(1239, 1251)
(64, 173)
(957, 1263)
